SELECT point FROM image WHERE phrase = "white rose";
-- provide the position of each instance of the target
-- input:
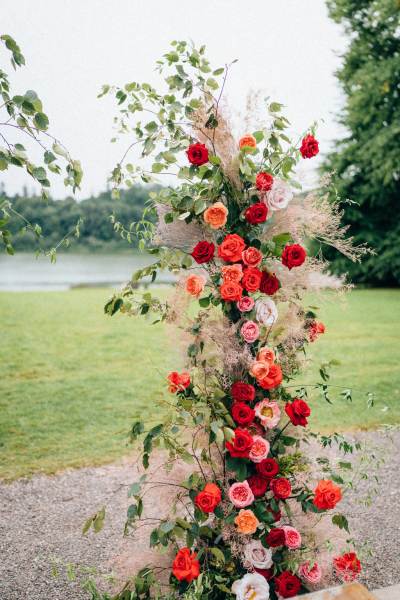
(252, 586)
(279, 195)
(266, 311)
(257, 556)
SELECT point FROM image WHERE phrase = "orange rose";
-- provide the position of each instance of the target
(231, 291)
(266, 355)
(246, 521)
(208, 499)
(273, 379)
(231, 248)
(247, 141)
(178, 381)
(216, 215)
(326, 495)
(259, 369)
(232, 273)
(194, 285)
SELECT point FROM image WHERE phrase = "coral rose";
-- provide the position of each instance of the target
(287, 585)
(251, 257)
(251, 279)
(266, 355)
(250, 331)
(273, 379)
(240, 494)
(256, 213)
(245, 304)
(269, 283)
(231, 248)
(247, 141)
(243, 392)
(268, 412)
(178, 381)
(240, 445)
(194, 285)
(309, 146)
(259, 369)
(292, 537)
(186, 567)
(216, 215)
(268, 468)
(246, 522)
(258, 485)
(259, 449)
(203, 252)
(316, 328)
(232, 273)
(298, 411)
(197, 154)
(293, 255)
(264, 181)
(310, 572)
(281, 488)
(208, 499)
(347, 567)
(231, 291)
(326, 495)
(242, 414)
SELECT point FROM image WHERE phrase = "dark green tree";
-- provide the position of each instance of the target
(367, 160)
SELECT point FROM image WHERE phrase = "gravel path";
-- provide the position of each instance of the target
(41, 521)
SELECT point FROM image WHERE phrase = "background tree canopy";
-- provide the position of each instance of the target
(367, 159)
(103, 220)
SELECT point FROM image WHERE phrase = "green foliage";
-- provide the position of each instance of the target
(22, 117)
(367, 160)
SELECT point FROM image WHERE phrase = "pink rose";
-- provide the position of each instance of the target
(250, 331)
(268, 412)
(245, 304)
(240, 494)
(311, 573)
(292, 537)
(259, 450)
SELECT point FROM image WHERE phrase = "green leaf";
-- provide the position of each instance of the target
(219, 555)
(259, 135)
(41, 121)
(341, 522)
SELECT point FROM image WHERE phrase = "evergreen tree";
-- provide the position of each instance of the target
(367, 160)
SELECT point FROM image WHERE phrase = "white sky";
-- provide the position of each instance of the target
(287, 48)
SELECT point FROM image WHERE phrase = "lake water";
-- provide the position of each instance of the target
(24, 272)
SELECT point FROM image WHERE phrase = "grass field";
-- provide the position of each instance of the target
(72, 380)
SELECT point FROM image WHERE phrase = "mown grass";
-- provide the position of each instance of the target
(72, 380)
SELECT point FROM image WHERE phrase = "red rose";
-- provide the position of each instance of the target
(243, 392)
(186, 567)
(251, 279)
(178, 381)
(197, 154)
(326, 495)
(203, 252)
(264, 181)
(269, 283)
(242, 413)
(281, 488)
(275, 537)
(273, 379)
(258, 485)
(241, 444)
(298, 411)
(309, 147)
(268, 467)
(267, 573)
(316, 328)
(231, 291)
(231, 248)
(208, 499)
(347, 566)
(256, 213)
(287, 585)
(293, 255)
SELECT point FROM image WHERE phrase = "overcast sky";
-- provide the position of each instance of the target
(289, 49)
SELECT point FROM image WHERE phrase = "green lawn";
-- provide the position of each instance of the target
(72, 379)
